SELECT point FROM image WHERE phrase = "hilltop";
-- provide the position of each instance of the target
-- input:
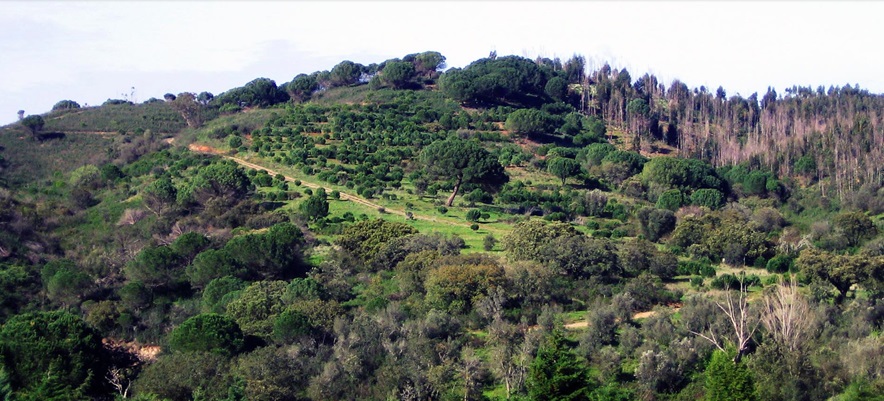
(514, 228)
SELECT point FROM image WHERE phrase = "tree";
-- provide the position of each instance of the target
(207, 332)
(530, 122)
(528, 238)
(366, 239)
(556, 374)
(33, 123)
(462, 161)
(456, 288)
(711, 198)
(316, 206)
(302, 87)
(65, 105)
(787, 316)
(856, 227)
(840, 271)
(52, 354)
(428, 63)
(743, 323)
(190, 108)
(186, 376)
(726, 380)
(205, 98)
(671, 200)
(563, 168)
(398, 74)
(655, 222)
(258, 306)
(345, 73)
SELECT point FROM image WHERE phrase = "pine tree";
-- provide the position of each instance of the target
(556, 374)
(727, 380)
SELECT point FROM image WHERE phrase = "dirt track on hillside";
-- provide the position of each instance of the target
(344, 196)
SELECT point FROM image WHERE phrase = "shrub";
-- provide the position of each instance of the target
(474, 215)
(207, 332)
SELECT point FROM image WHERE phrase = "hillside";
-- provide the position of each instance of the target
(516, 229)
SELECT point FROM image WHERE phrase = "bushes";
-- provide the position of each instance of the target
(207, 333)
(732, 282)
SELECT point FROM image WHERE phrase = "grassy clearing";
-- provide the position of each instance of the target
(30, 160)
(158, 117)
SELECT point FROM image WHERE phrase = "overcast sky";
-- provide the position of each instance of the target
(91, 51)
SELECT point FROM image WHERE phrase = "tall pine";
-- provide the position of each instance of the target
(556, 374)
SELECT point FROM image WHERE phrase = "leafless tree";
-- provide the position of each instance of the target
(787, 316)
(118, 380)
(743, 322)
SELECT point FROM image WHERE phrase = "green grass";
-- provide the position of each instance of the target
(30, 160)
(157, 117)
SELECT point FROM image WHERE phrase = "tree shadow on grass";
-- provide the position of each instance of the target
(48, 136)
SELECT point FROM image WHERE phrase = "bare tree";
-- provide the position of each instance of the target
(743, 322)
(787, 316)
(119, 381)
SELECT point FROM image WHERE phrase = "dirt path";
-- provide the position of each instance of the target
(640, 315)
(344, 196)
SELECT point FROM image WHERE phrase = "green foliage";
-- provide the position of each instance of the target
(221, 179)
(398, 74)
(366, 238)
(856, 227)
(727, 380)
(682, 174)
(462, 161)
(52, 354)
(33, 123)
(345, 73)
(708, 197)
(210, 265)
(780, 264)
(258, 306)
(155, 117)
(207, 332)
(234, 142)
(473, 215)
(65, 282)
(17, 284)
(65, 105)
(260, 92)
(580, 256)
(186, 376)
(596, 152)
(656, 223)
(290, 325)
(315, 207)
(216, 293)
(531, 122)
(488, 242)
(563, 168)
(556, 374)
(277, 253)
(528, 238)
(156, 267)
(302, 87)
(457, 287)
(501, 80)
(840, 271)
(671, 200)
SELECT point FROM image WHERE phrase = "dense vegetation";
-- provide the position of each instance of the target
(515, 229)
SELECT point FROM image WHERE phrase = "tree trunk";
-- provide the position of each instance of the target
(453, 194)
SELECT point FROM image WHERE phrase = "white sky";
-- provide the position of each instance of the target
(91, 51)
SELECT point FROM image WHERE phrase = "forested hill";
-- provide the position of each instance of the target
(514, 229)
